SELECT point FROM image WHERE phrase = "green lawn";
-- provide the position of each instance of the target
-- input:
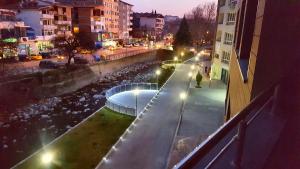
(84, 147)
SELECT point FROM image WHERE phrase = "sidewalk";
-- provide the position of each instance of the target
(147, 145)
(203, 114)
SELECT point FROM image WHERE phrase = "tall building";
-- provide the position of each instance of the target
(263, 100)
(125, 20)
(224, 39)
(111, 16)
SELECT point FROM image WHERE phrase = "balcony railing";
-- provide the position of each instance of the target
(245, 141)
(225, 61)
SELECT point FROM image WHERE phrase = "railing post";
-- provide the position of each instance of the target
(240, 145)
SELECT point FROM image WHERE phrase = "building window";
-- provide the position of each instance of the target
(219, 36)
(225, 57)
(222, 2)
(64, 9)
(228, 38)
(221, 18)
(230, 18)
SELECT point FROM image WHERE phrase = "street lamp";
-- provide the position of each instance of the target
(176, 60)
(157, 72)
(193, 67)
(47, 158)
(182, 54)
(182, 96)
(197, 59)
(190, 74)
(136, 93)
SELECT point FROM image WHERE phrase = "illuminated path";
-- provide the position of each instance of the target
(127, 98)
(148, 145)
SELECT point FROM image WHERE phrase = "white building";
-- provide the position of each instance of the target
(40, 17)
(125, 19)
(154, 23)
(224, 39)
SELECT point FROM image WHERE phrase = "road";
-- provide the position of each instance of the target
(33, 66)
(148, 145)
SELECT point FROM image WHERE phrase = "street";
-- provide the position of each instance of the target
(33, 65)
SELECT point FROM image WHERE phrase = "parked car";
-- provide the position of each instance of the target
(36, 57)
(80, 60)
(23, 57)
(84, 51)
(45, 55)
(60, 58)
(128, 45)
(136, 45)
(49, 64)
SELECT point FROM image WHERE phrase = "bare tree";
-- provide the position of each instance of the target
(71, 44)
(67, 45)
(202, 22)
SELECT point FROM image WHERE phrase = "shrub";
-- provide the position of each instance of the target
(198, 79)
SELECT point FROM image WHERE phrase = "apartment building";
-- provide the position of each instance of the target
(224, 39)
(263, 99)
(111, 16)
(10, 27)
(39, 15)
(148, 25)
(125, 20)
(63, 18)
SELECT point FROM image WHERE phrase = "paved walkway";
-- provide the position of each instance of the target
(149, 143)
(127, 98)
(203, 114)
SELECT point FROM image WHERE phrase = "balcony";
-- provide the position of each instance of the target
(63, 22)
(49, 27)
(248, 140)
(225, 61)
(47, 16)
(227, 42)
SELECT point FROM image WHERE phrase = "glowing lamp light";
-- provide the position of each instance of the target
(182, 53)
(136, 92)
(190, 74)
(47, 158)
(183, 96)
(193, 67)
(76, 29)
(175, 58)
(157, 72)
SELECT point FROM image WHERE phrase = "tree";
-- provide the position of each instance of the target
(9, 48)
(183, 37)
(71, 44)
(202, 21)
(198, 79)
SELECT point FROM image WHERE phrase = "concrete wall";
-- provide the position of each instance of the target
(58, 82)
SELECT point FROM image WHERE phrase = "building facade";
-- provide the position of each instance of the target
(224, 39)
(148, 25)
(125, 20)
(111, 17)
(10, 27)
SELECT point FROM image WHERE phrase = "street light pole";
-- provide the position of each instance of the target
(158, 72)
(136, 93)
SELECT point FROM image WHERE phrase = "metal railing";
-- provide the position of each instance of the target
(226, 147)
(131, 111)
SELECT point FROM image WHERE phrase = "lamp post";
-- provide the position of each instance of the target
(136, 93)
(176, 60)
(181, 55)
(47, 158)
(157, 72)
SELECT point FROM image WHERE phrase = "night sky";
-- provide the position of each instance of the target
(170, 7)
